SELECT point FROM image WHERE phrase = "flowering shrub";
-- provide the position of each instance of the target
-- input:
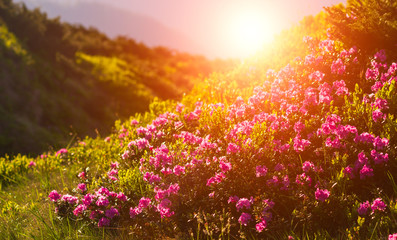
(300, 150)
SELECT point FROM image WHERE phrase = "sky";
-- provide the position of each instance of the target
(218, 28)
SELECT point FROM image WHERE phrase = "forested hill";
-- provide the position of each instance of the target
(58, 79)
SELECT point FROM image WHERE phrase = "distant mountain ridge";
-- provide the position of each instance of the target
(115, 21)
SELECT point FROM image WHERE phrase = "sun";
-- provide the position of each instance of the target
(249, 31)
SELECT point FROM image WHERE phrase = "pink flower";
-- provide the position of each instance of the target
(243, 203)
(379, 158)
(261, 225)
(121, 197)
(173, 189)
(180, 107)
(114, 165)
(393, 236)
(338, 67)
(79, 209)
(380, 143)
(54, 196)
(233, 199)
(322, 194)
(134, 122)
(102, 201)
(82, 175)
(300, 144)
(82, 187)
(340, 87)
(244, 219)
(380, 103)
(178, 170)
(366, 172)
(70, 199)
(363, 208)
(261, 171)
(102, 191)
(379, 205)
(87, 200)
(349, 172)
(225, 166)
(135, 211)
(317, 75)
(377, 115)
(112, 212)
(232, 148)
(380, 56)
(32, 164)
(103, 222)
(299, 126)
(61, 151)
(307, 166)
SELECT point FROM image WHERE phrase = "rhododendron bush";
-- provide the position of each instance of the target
(311, 149)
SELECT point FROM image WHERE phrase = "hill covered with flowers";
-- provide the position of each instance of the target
(310, 152)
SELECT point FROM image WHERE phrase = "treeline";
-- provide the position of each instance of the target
(57, 78)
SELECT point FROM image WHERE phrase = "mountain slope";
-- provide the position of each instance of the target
(59, 78)
(113, 21)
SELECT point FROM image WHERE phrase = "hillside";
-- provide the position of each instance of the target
(58, 78)
(306, 150)
(113, 21)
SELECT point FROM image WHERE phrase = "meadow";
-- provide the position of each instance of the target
(303, 150)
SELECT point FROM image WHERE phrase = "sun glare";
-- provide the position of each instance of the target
(249, 31)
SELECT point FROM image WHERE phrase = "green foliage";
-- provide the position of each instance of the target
(77, 80)
(368, 24)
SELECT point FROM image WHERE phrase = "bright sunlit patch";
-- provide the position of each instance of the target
(249, 30)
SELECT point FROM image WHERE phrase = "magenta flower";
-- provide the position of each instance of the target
(164, 208)
(70, 199)
(54, 196)
(348, 171)
(243, 203)
(178, 170)
(112, 212)
(261, 225)
(299, 126)
(82, 175)
(322, 194)
(121, 197)
(232, 148)
(102, 201)
(79, 209)
(363, 208)
(381, 143)
(232, 199)
(102, 191)
(379, 205)
(82, 187)
(261, 171)
(32, 164)
(103, 222)
(307, 166)
(338, 67)
(173, 189)
(135, 211)
(366, 172)
(144, 202)
(244, 218)
(61, 152)
(225, 166)
(87, 200)
(377, 115)
(393, 236)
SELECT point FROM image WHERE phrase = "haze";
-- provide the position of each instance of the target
(205, 27)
